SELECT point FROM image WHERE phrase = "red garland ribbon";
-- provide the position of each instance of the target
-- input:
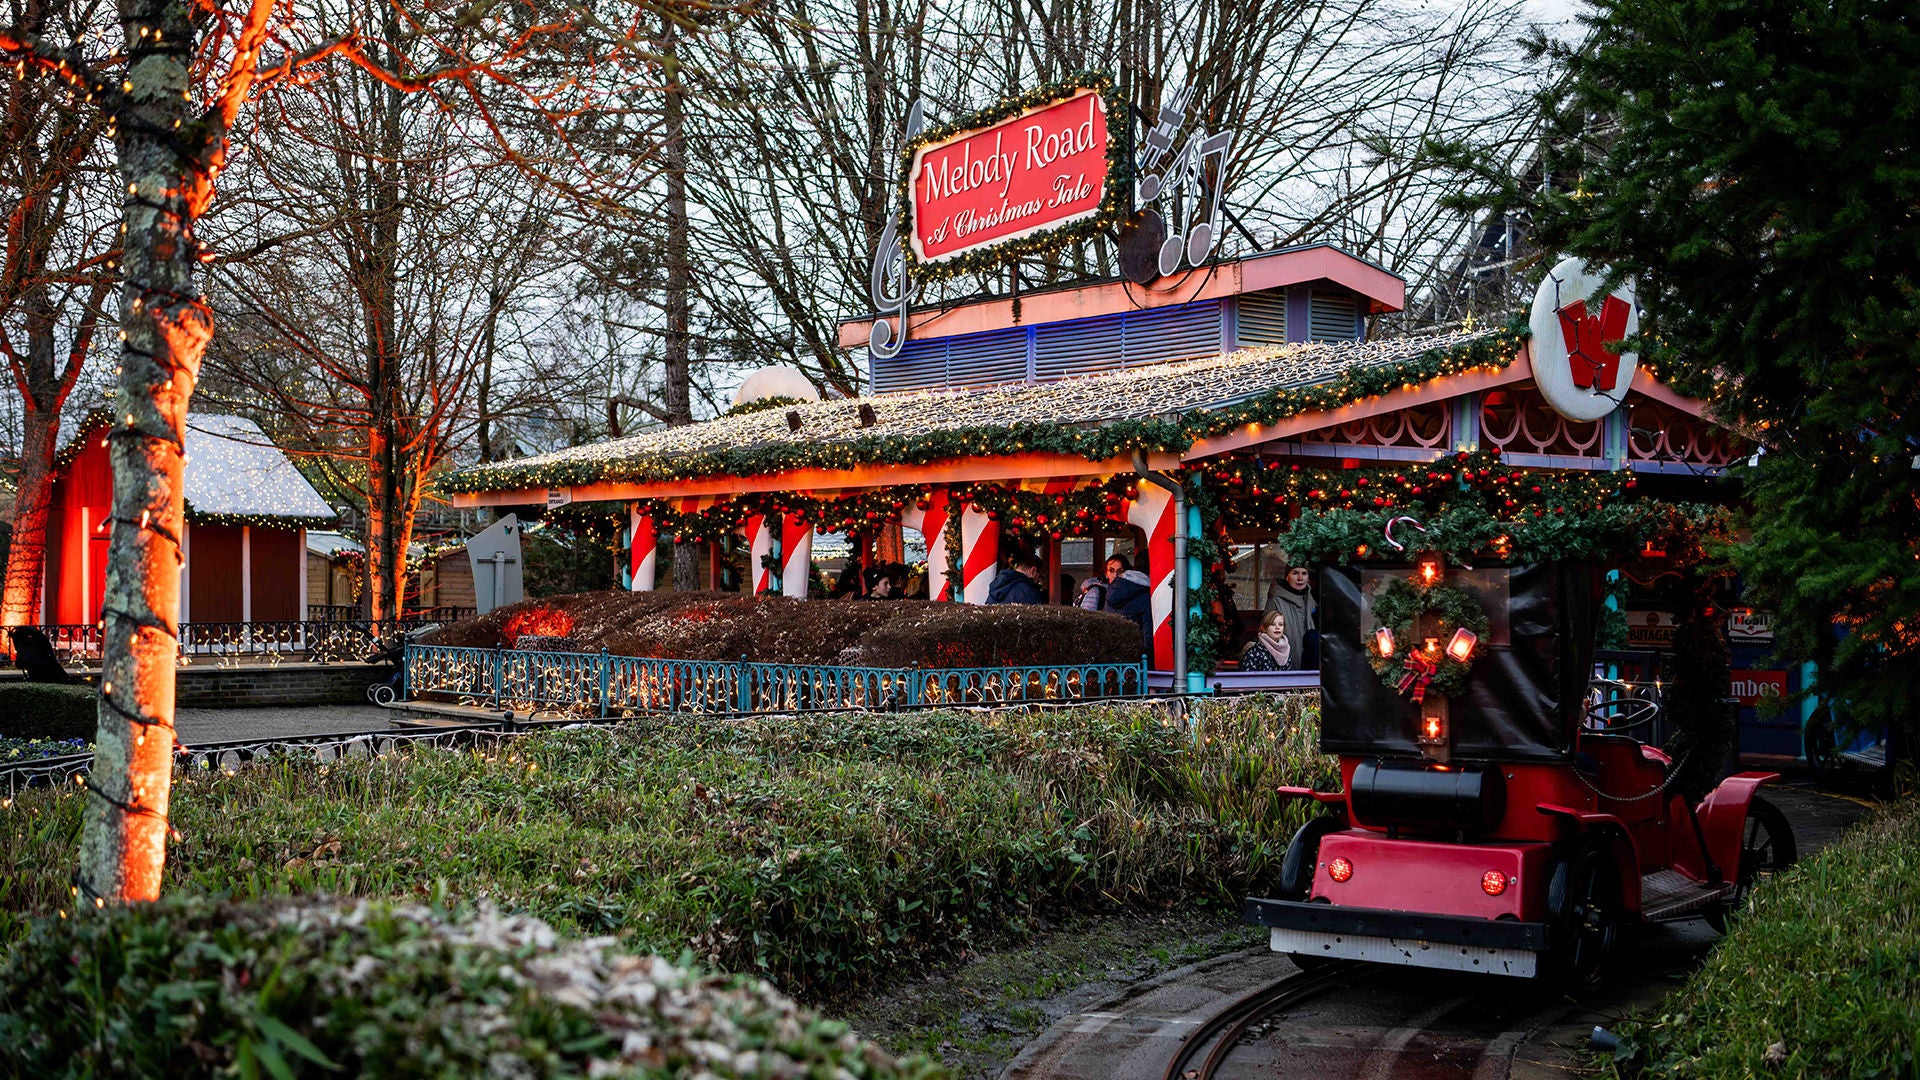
(1420, 672)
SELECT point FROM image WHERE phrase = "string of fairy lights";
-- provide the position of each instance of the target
(588, 685)
(1164, 407)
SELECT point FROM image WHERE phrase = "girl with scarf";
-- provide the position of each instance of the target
(1268, 651)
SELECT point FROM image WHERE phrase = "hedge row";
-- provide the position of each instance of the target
(47, 711)
(1820, 977)
(198, 989)
(774, 629)
(821, 852)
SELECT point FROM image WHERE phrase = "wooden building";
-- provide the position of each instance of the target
(248, 508)
(1065, 413)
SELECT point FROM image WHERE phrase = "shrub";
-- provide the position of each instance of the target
(775, 629)
(821, 852)
(47, 711)
(1819, 977)
(196, 989)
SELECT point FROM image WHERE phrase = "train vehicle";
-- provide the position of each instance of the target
(1493, 817)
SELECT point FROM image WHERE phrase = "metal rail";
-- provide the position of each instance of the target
(1222, 1031)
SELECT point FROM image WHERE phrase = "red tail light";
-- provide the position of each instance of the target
(1340, 869)
(1493, 882)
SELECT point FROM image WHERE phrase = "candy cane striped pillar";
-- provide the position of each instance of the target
(643, 550)
(1152, 514)
(759, 545)
(796, 555)
(979, 554)
(932, 526)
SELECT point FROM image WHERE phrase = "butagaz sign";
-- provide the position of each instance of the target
(1036, 173)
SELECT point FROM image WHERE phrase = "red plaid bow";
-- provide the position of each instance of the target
(1420, 671)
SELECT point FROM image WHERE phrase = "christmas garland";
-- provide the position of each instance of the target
(1038, 515)
(1401, 607)
(777, 401)
(1115, 197)
(1102, 442)
(1206, 549)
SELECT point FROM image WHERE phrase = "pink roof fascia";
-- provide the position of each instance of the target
(1438, 390)
(1277, 270)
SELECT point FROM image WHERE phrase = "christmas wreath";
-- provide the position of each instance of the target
(1400, 608)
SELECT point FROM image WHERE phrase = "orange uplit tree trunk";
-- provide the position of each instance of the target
(169, 156)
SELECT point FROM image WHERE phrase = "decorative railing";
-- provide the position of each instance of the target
(604, 685)
(355, 613)
(228, 756)
(322, 640)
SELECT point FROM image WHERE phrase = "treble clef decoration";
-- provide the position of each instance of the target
(889, 285)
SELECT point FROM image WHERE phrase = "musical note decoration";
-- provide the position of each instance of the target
(889, 285)
(1190, 235)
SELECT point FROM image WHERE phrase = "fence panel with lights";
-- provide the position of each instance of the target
(604, 685)
(324, 640)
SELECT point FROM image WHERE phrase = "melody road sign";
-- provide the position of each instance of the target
(1039, 169)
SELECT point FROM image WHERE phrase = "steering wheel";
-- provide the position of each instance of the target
(1615, 708)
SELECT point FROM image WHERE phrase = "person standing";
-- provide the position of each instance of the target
(1292, 597)
(1130, 593)
(1017, 584)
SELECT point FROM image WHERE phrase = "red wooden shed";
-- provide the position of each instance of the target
(248, 509)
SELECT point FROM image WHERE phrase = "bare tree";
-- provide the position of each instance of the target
(189, 70)
(386, 236)
(794, 168)
(54, 279)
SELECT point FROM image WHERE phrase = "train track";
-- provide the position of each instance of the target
(1219, 1034)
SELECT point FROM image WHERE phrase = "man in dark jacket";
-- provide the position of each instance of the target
(1130, 593)
(1015, 584)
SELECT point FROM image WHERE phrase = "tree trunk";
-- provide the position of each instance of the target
(46, 387)
(167, 325)
(27, 558)
(679, 382)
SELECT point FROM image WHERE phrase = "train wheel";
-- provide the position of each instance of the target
(1585, 899)
(1766, 848)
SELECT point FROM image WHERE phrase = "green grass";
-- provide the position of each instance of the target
(820, 852)
(1821, 977)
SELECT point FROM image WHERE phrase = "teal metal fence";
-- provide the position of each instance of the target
(604, 685)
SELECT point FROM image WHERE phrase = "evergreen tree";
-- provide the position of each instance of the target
(1753, 163)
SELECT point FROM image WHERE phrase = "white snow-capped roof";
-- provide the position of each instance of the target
(233, 468)
(321, 542)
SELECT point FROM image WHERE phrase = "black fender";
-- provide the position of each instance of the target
(1296, 870)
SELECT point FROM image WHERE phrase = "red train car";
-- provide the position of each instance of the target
(1513, 825)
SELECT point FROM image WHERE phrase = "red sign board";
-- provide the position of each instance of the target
(1041, 169)
(1750, 686)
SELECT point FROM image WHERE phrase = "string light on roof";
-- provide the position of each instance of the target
(1161, 406)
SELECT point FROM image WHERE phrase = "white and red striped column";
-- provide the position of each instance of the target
(759, 545)
(643, 550)
(796, 555)
(979, 554)
(932, 526)
(1153, 514)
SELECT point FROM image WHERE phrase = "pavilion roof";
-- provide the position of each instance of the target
(1155, 407)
